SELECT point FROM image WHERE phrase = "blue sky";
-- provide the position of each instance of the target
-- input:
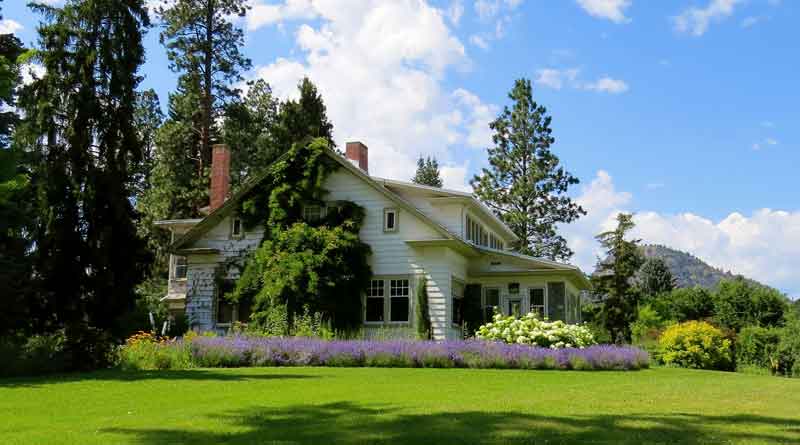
(683, 111)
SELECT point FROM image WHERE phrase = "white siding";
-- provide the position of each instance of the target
(390, 253)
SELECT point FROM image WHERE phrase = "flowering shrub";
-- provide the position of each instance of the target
(529, 330)
(145, 351)
(237, 351)
(695, 344)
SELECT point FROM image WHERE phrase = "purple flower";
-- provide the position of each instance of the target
(234, 351)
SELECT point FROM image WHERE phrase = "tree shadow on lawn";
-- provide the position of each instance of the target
(133, 376)
(348, 423)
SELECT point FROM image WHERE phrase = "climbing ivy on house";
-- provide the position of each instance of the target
(318, 264)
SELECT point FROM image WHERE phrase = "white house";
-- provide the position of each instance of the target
(446, 236)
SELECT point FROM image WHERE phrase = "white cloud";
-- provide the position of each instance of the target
(455, 11)
(697, 20)
(478, 41)
(613, 10)
(478, 116)
(455, 177)
(8, 26)
(559, 78)
(607, 85)
(380, 66)
(555, 78)
(262, 14)
(764, 245)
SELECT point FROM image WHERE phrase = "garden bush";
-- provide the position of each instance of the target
(757, 347)
(529, 330)
(695, 344)
(34, 355)
(145, 351)
(788, 351)
(241, 351)
(647, 329)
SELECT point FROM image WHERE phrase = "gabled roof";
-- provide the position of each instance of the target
(230, 204)
(449, 195)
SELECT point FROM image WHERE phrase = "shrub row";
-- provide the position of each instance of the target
(243, 351)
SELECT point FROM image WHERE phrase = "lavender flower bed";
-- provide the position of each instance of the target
(241, 351)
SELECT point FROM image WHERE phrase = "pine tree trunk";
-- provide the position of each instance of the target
(205, 141)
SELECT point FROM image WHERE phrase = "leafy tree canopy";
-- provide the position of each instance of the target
(739, 303)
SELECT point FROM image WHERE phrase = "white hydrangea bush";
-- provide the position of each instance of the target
(530, 330)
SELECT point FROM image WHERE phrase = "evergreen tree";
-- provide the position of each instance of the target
(175, 190)
(249, 130)
(427, 172)
(204, 44)
(79, 124)
(147, 120)
(16, 197)
(655, 277)
(613, 278)
(303, 119)
(525, 184)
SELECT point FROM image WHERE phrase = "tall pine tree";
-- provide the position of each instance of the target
(17, 217)
(525, 184)
(427, 172)
(202, 42)
(613, 279)
(79, 124)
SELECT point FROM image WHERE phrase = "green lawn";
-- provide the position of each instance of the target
(414, 406)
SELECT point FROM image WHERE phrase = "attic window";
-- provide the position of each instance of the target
(390, 220)
(236, 228)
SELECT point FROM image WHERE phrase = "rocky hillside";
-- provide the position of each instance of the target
(687, 269)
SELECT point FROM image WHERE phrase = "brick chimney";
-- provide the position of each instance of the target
(356, 153)
(220, 175)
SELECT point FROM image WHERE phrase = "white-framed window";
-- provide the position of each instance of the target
(313, 212)
(237, 231)
(400, 300)
(375, 308)
(390, 221)
(538, 301)
(179, 267)
(388, 300)
(457, 292)
(491, 300)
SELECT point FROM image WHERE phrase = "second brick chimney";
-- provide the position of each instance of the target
(356, 153)
(220, 175)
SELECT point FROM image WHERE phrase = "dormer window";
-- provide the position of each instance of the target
(390, 220)
(236, 228)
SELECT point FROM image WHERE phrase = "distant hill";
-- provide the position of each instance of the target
(688, 270)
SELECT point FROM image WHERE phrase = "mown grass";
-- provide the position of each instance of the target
(406, 406)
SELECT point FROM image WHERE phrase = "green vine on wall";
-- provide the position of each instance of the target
(323, 264)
